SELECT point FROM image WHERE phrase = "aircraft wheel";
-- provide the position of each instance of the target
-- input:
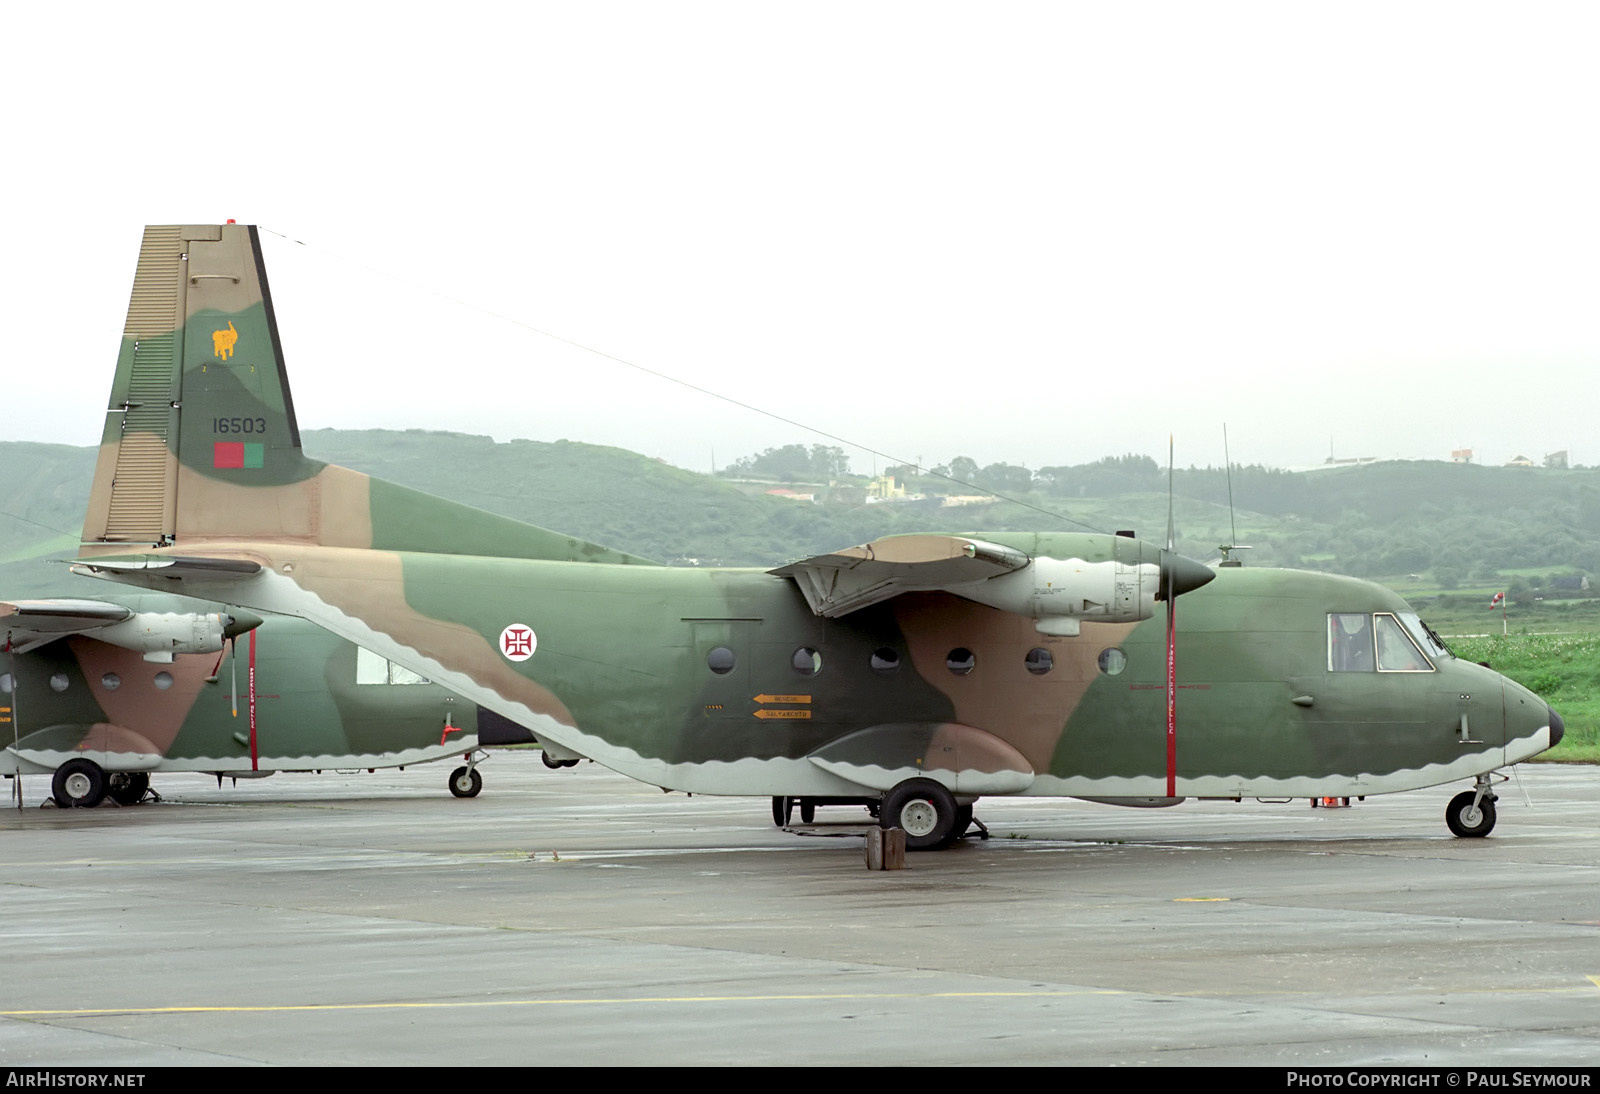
(79, 783)
(963, 820)
(782, 809)
(569, 763)
(925, 810)
(1466, 821)
(808, 811)
(128, 787)
(465, 782)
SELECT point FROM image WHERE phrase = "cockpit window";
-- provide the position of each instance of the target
(1426, 637)
(1358, 642)
(1396, 651)
(1350, 642)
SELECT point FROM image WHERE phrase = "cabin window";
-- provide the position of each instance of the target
(163, 681)
(111, 681)
(1396, 651)
(885, 660)
(59, 682)
(806, 661)
(1112, 661)
(720, 660)
(5, 683)
(961, 661)
(374, 669)
(1038, 661)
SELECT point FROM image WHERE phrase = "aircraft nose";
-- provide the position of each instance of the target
(1185, 574)
(1558, 728)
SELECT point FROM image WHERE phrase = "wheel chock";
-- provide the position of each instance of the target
(886, 848)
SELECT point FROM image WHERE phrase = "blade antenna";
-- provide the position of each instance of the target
(1227, 460)
(1233, 543)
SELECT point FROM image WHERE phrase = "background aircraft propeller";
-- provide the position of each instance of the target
(1179, 575)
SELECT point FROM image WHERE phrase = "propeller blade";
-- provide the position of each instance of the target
(233, 646)
(1172, 698)
(1169, 586)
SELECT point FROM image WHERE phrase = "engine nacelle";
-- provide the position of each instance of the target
(161, 635)
(1058, 594)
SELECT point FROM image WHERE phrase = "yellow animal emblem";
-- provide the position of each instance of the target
(222, 341)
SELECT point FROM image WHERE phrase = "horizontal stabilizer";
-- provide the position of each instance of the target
(172, 565)
(857, 577)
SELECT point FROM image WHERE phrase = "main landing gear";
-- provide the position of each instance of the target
(128, 787)
(84, 784)
(927, 812)
(79, 784)
(1471, 813)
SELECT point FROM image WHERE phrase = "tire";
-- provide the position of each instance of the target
(808, 811)
(963, 821)
(128, 787)
(1467, 822)
(782, 810)
(924, 810)
(465, 782)
(79, 784)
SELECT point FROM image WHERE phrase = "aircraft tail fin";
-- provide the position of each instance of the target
(199, 389)
(201, 443)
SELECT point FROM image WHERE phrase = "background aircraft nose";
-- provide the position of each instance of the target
(1558, 728)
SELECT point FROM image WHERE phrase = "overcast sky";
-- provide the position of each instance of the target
(1032, 233)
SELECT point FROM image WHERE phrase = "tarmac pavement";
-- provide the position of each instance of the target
(576, 917)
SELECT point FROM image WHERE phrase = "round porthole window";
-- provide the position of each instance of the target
(1039, 661)
(961, 661)
(1112, 661)
(111, 681)
(163, 680)
(5, 683)
(885, 660)
(720, 660)
(58, 681)
(807, 661)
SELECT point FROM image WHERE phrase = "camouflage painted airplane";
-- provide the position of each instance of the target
(102, 694)
(921, 671)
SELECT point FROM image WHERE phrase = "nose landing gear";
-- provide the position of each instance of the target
(1470, 813)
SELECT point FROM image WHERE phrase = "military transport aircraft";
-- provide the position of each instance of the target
(102, 694)
(923, 671)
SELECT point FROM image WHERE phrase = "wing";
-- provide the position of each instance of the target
(849, 580)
